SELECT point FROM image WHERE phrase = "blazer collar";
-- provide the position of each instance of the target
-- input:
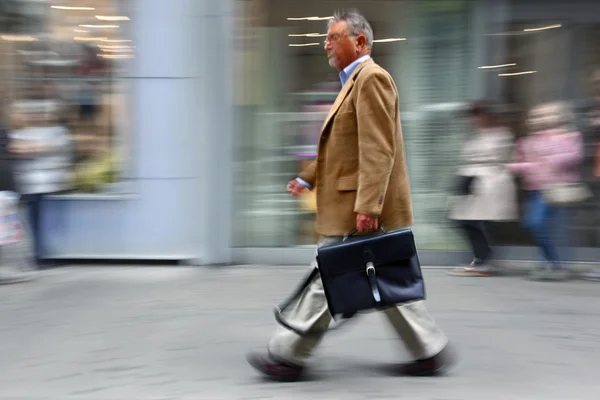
(345, 91)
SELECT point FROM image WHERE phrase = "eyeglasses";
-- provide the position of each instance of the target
(334, 37)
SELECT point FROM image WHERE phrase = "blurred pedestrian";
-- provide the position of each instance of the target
(43, 152)
(13, 267)
(362, 183)
(549, 159)
(486, 191)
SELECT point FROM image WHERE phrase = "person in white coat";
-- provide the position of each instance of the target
(486, 190)
(43, 155)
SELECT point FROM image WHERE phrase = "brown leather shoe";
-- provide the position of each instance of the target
(429, 366)
(274, 369)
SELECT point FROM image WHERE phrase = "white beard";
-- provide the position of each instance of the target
(333, 61)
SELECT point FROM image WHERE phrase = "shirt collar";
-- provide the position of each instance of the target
(346, 72)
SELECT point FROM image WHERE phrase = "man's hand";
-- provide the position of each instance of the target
(295, 188)
(366, 223)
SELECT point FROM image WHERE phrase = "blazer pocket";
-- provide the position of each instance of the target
(345, 112)
(347, 183)
(344, 123)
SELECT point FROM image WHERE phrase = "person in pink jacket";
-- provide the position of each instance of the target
(550, 154)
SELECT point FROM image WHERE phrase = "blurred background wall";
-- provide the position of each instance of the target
(202, 110)
(442, 54)
(154, 75)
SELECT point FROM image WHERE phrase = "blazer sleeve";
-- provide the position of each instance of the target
(310, 174)
(376, 108)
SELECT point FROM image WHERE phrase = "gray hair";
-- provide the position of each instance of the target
(357, 24)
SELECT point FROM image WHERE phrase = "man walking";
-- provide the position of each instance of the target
(361, 182)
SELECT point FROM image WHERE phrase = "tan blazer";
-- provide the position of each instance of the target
(361, 165)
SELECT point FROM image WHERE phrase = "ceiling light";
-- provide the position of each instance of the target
(73, 8)
(307, 34)
(104, 46)
(389, 40)
(303, 44)
(80, 30)
(310, 18)
(55, 62)
(543, 28)
(105, 40)
(518, 73)
(99, 26)
(89, 39)
(497, 66)
(116, 55)
(37, 53)
(117, 50)
(115, 18)
(16, 38)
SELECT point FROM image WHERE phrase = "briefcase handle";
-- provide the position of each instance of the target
(354, 231)
(313, 274)
(278, 310)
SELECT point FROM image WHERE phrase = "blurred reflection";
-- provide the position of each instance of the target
(441, 61)
(485, 190)
(43, 153)
(72, 56)
(549, 160)
(298, 88)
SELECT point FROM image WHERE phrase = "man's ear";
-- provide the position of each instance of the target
(362, 42)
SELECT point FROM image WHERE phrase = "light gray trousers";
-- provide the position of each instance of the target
(411, 322)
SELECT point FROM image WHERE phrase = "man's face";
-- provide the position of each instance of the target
(341, 48)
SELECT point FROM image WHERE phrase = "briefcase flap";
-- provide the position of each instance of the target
(382, 249)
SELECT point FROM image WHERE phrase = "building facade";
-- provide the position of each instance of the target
(215, 105)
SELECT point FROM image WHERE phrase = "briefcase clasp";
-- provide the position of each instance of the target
(373, 281)
(370, 269)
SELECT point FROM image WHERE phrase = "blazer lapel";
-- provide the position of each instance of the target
(344, 93)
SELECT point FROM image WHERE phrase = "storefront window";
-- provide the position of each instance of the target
(64, 63)
(285, 88)
(553, 60)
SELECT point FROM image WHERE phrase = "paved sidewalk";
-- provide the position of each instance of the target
(182, 333)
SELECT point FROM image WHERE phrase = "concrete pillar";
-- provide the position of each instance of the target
(180, 147)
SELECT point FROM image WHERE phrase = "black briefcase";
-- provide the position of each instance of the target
(362, 273)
